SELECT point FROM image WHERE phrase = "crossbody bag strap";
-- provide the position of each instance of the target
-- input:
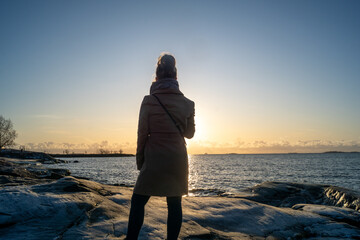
(171, 117)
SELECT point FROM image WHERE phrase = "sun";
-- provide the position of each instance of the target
(200, 128)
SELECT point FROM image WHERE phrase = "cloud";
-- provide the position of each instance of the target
(261, 146)
(53, 147)
(198, 147)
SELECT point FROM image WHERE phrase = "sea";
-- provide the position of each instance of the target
(217, 174)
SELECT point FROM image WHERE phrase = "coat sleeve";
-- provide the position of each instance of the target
(142, 134)
(190, 126)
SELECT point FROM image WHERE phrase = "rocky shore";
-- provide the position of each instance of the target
(15, 172)
(41, 203)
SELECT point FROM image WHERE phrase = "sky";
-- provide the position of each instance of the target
(265, 76)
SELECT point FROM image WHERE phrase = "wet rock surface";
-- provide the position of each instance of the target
(72, 208)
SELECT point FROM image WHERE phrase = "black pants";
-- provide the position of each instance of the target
(137, 211)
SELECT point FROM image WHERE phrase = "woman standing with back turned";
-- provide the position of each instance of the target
(166, 117)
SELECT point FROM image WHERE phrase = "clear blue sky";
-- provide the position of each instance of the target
(266, 76)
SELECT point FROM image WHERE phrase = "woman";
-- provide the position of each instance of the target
(166, 117)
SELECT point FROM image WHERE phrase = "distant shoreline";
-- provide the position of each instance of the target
(13, 153)
(83, 155)
(275, 153)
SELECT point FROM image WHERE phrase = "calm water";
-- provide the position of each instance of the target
(231, 173)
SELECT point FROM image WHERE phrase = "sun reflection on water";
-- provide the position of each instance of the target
(193, 175)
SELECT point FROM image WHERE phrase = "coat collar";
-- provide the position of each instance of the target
(167, 85)
(167, 91)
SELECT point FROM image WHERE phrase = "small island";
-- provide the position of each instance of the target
(340, 152)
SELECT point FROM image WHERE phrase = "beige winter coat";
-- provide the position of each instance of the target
(161, 154)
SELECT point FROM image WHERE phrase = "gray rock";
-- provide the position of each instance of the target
(15, 172)
(38, 156)
(284, 194)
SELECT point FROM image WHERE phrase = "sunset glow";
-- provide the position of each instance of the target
(265, 76)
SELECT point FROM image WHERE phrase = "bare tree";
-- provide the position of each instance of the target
(7, 133)
(103, 151)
